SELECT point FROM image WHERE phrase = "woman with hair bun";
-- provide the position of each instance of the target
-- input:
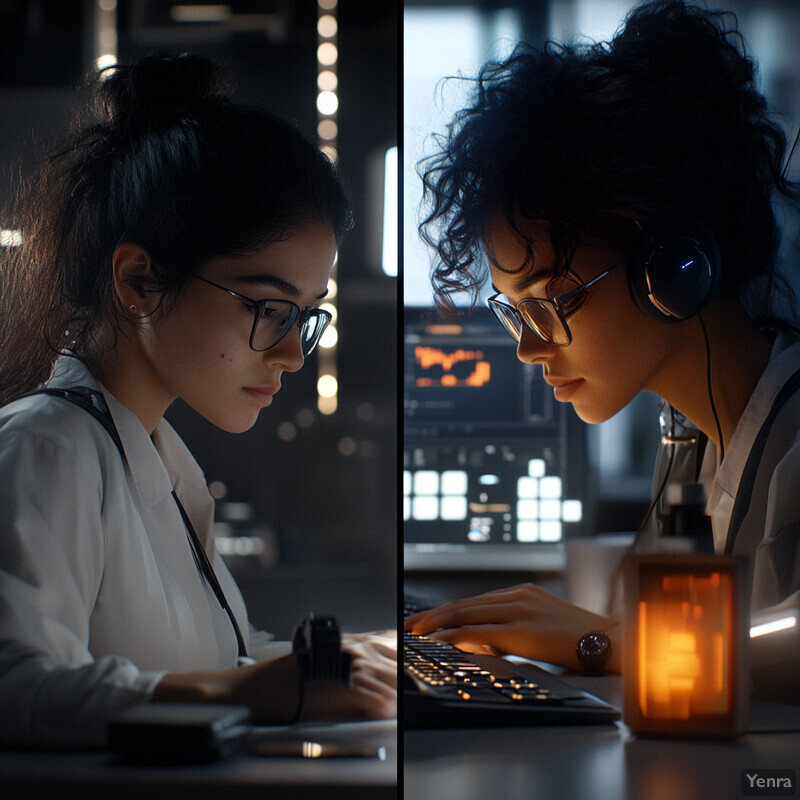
(176, 244)
(619, 197)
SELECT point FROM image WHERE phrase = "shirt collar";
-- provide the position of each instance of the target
(783, 363)
(156, 464)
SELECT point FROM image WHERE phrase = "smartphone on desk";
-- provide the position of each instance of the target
(179, 733)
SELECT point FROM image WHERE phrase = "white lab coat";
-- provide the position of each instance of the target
(99, 591)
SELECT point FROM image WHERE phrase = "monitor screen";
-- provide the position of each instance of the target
(494, 468)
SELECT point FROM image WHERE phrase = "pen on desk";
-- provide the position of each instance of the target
(282, 748)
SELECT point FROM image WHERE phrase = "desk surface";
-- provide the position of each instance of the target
(601, 762)
(28, 774)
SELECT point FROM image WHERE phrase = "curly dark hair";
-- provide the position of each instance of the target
(596, 142)
(159, 155)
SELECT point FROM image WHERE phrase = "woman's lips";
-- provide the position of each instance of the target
(563, 389)
(261, 394)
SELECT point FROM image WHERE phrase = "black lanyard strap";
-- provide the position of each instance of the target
(89, 400)
(207, 571)
(93, 401)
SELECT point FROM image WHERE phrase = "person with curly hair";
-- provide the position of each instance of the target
(621, 199)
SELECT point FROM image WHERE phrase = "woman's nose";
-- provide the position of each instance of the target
(532, 349)
(288, 352)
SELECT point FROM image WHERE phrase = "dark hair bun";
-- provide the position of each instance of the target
(157, 90)
(688, 53)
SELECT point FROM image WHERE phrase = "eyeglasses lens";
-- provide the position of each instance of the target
(543, 319)
(312, 329)
(508, 319)
(273, 320)
(540, 317)
(276, 318)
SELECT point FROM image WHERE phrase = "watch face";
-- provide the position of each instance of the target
(594, 649)
(594, 644)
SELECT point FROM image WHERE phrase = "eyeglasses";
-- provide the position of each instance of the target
(273, 319)
(546, 317)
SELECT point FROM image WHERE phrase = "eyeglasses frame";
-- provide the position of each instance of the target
(556, 302)
(299, 315)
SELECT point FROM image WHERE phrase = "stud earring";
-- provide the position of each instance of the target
(133, 309)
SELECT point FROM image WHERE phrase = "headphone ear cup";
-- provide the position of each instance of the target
(673, 279)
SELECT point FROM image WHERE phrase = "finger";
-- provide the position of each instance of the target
(386, 649)
(373, 658)
(482, 638)
(366, 657)
(478, 649)
(382, 636)
(371, 676)
(385, 655)
(384, 684)
(386, 645)
(467, 614)
(367, 699)
(370, 698)
(514, 594)
(494, 595)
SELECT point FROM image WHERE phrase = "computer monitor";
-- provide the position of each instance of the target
(494, 473)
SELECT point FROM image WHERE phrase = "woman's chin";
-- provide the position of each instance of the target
(594, 414)
(232, 423)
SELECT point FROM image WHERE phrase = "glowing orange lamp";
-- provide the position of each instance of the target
(686, 645)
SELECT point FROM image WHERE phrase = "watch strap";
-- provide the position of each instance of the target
(317, 646)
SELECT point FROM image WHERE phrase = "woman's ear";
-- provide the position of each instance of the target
(133, 271)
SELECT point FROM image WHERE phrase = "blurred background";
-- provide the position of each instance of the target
(307, 499)
(617, 456)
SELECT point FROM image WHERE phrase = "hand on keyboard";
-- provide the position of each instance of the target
(525, 620)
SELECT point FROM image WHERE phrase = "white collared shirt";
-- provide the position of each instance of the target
(769, 531)
(99, 591)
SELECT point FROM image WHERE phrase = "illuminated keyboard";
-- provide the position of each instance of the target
(446, 687)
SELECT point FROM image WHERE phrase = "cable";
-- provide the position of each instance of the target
(710, 391)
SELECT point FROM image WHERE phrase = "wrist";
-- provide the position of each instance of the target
(191, 687)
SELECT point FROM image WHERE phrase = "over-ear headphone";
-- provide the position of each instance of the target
(672, 277)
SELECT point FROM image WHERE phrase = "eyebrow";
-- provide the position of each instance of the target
(265, 279)
(541, 275)
(529, 280)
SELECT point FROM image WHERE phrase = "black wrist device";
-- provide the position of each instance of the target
(317, 646)
(594, 650)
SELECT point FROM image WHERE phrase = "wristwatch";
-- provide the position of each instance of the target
(317, 646)
(594, 650)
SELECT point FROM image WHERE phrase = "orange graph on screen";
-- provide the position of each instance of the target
(430, 357)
